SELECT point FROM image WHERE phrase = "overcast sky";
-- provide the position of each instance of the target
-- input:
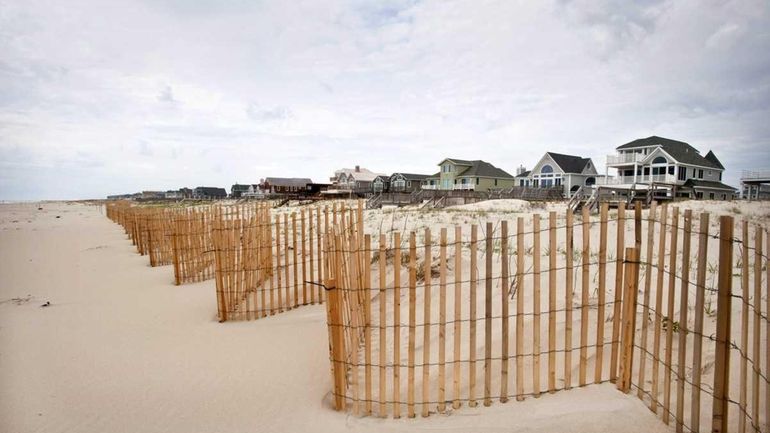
(101, 97)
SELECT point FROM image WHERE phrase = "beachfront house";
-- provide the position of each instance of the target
(522, 176)
(676, 165)
(406, 182)
(209, 193)
(559, 170)
(237, 190)
(356, 179)
(475, 175)
(284, 185)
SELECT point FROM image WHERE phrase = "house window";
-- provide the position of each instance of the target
(462, 181)
(682, 173)
(546, 169)
(724, 196)
(711, 196)
(558, 181)
(521, 182)
(693, 173)
(495, 182)
(646, 171)
(409, 184)
(535, 183)
(700, 174)
(720, 176)
(660, 160)
(477, 181)
(671, 170)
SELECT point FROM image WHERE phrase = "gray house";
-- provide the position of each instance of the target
(557, 169)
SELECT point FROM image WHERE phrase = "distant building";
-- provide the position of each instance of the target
(356, 179)
(285, 185)
(755, 184)
(208, 192)
(149, 195)
(399, 182)
(475, 175)
(237, 190)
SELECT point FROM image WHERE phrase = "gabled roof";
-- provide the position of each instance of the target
(478, 168)
(412, 176)
(569, 163)
(679, 150)
(708, 184)
(714, 160)
(458, 161)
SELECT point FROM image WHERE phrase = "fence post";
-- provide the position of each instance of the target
(724, 305)
(631, 289)
(338, 344)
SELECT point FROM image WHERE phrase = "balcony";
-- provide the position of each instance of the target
(755, 175)
(464, 186)
(625, 158)
(430, 187)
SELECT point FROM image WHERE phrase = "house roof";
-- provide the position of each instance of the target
(211, 190)
(477, 168)
(712, 184)
(239, 187)
(288, 181)
(412, 176)
(569, 163)
(679, 150)
(524, 173)
(714, 160)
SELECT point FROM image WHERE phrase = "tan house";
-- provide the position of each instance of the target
(476, 175)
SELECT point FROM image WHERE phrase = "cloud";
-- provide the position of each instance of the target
(158, 95)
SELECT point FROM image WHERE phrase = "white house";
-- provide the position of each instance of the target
(669, 163)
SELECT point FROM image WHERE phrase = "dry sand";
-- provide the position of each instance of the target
(121, 348)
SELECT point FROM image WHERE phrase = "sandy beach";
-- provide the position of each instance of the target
(120, 348)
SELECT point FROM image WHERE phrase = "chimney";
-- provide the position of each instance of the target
(358, 169)
(520, 170)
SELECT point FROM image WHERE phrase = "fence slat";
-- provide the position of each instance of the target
(568, 300)
(631, 277)
(700, 292)
(744, 342)
(488, 317)
(472, 318)
(656, 360)
(552, 302)
(756, 352)
(618, 290)
(412, 321)
(519, 308)
(682, 349)
(504, 287)
(456, 367)
(397, 325)
(426, 326)
(584, 297)
(670, 315)
(442, 323)
(646, 298)
(601, 295)
(367, 314)
(536, 305)
(383, 302)
(719, 413)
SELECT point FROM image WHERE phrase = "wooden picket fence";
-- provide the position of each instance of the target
(554, 314)
(268, 263)
(192, 244)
